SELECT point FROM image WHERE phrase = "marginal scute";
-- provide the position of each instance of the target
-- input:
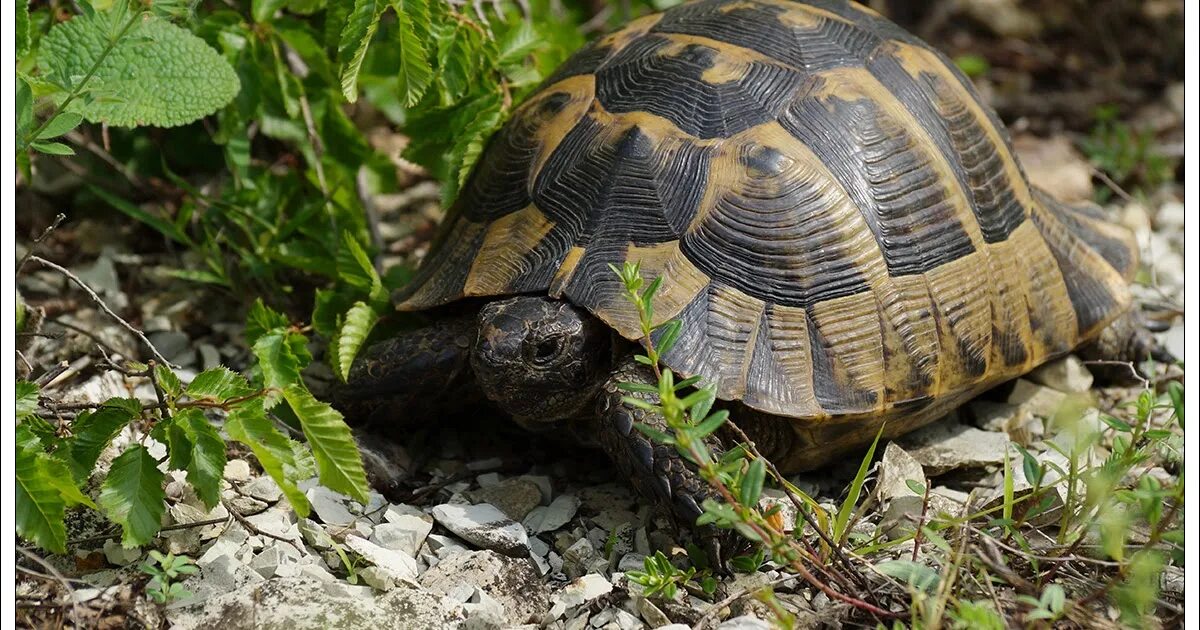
(841, 224)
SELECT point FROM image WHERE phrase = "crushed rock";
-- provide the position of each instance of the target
(513, 582)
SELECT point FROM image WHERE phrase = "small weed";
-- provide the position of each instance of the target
(164, 571)
(661, 578)
(1126, 155)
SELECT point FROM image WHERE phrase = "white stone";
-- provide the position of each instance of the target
(378, 578)
(330, 506)
(1036, 399)
(1066, 374)
(444, 546)
(118, 555)
(316, 572)
(400, 565)
(219, 548)
(405, 534)
(267, 561)
(314, 534)
(549, 518)
(484, 525)
(264, 489)
(947, 445)
(237, 470)
(275, 521)
(896, 470)
(583, 589)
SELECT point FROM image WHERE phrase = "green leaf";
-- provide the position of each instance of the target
(356, 325)
(354, 267)
(263, 10)
(356, 37)
(39, 505)
(752, 483)
(61, 124)
(916, 575)
(1030, 466)
(24, 111)
(339, 465)
(1175, 391)
(93, 431)
(52, 148)
(915, 486)
(414, 74)
(157, 74)
(842, 521)
(219, 383)
(517, 44)
(654, 434)
(207, 465)
(163, 226)
(27, 399)
(132, 495)
(249, 425)
(22, 28)
(279, 364)
(168, 381)
(711, 423)
(260, 319)
(59, 473)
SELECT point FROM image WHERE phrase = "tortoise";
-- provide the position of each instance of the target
(841, 224)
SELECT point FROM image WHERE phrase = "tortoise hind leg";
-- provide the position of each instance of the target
(1116, 354)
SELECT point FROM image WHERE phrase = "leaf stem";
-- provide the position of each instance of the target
(77, 89)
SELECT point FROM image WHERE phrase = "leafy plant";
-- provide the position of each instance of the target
(163, 571)
(1128, 156)
(55, 465)
(660, 577)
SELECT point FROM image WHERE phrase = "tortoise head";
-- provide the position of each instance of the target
(540, 359)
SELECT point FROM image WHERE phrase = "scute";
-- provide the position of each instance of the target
(841, 223)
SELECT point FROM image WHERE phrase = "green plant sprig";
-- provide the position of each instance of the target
(690, 419)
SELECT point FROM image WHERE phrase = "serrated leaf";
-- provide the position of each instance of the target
(339, 464)
(360, 27)
(132, 495)
(39, 505)
(356, 325)
(168, 381)
(22, 28)
(27, 399)
(260, 319)
(219, 383)
(24, 108)
(61, 124)
(354, 267)
(92, 432)
(414, 74)
(280, 366)
(59, 473)
(517, 43)
(207, 464)
(249, 425)
(158, 74)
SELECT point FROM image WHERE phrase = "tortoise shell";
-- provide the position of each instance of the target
(841, 222)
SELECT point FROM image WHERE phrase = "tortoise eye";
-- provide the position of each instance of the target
(544, 351)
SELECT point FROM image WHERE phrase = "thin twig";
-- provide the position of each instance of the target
(61, 580)
(37, 241)
(100, 302)
(716, 608)
(87, 333)
(783, 483)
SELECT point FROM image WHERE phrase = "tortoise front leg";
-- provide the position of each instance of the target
(657, 471)
(403, 380)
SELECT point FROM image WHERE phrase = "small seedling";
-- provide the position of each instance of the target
(661, 578)
(164, 571)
